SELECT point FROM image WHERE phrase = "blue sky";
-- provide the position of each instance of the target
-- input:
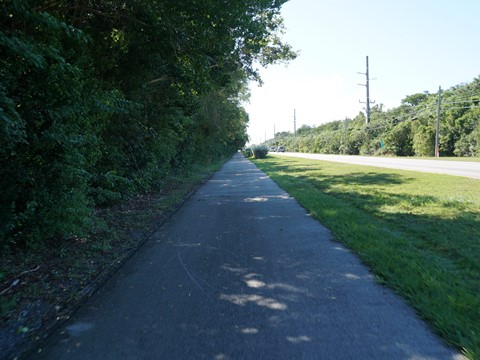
(413, 46)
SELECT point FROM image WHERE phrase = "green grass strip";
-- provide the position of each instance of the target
(419, 233)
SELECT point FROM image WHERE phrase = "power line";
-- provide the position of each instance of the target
(460, 102)
(387, 121)
(462, 107)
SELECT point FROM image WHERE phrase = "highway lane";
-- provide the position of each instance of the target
(469, 169)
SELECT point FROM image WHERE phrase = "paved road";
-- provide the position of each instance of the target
(242, 272)
(469, 169)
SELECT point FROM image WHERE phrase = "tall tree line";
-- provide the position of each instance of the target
(407, 130)
(101, 99)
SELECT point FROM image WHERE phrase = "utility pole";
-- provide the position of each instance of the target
(294, 131)
(311, 137)
(437, 129)
(367, 85)
(294, 123)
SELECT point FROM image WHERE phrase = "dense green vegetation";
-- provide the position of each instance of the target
(420, 233)
(100, 100)
(256, 151)
(408, 130)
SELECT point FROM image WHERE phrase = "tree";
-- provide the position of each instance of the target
(103, 99)
(399, 141)
(304, 130)
(415, 99)
(424, 141)
(48, 138)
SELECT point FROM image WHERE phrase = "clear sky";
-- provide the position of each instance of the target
(412, 45)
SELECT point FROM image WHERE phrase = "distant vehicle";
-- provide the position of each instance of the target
(281, 149)
(273, 148)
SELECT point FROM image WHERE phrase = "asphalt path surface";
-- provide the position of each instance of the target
(469, 169)
(241, 271)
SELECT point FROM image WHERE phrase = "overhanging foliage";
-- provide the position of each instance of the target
(103, 99)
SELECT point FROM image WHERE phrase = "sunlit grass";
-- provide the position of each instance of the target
(419, 232)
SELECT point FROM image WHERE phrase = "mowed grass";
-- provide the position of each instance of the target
(419, 233)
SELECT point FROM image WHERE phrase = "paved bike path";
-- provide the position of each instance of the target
(241, 271)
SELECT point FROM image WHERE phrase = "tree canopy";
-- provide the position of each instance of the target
(103, 99)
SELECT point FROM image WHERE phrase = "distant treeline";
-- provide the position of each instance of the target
(100, 100)
(407, 130)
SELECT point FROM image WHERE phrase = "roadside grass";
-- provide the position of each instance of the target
(418, 232)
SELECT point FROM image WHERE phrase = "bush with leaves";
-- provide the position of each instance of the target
(260, 151)
(247, 152)
(45, 139)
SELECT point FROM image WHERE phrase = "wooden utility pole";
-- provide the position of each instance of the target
(437, 128)
(368, 94)
(294, 123)
(367, 85)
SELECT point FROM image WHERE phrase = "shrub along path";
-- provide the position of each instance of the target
(241, 271)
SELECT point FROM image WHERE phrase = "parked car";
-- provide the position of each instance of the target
(281, 149)
(273, 148)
